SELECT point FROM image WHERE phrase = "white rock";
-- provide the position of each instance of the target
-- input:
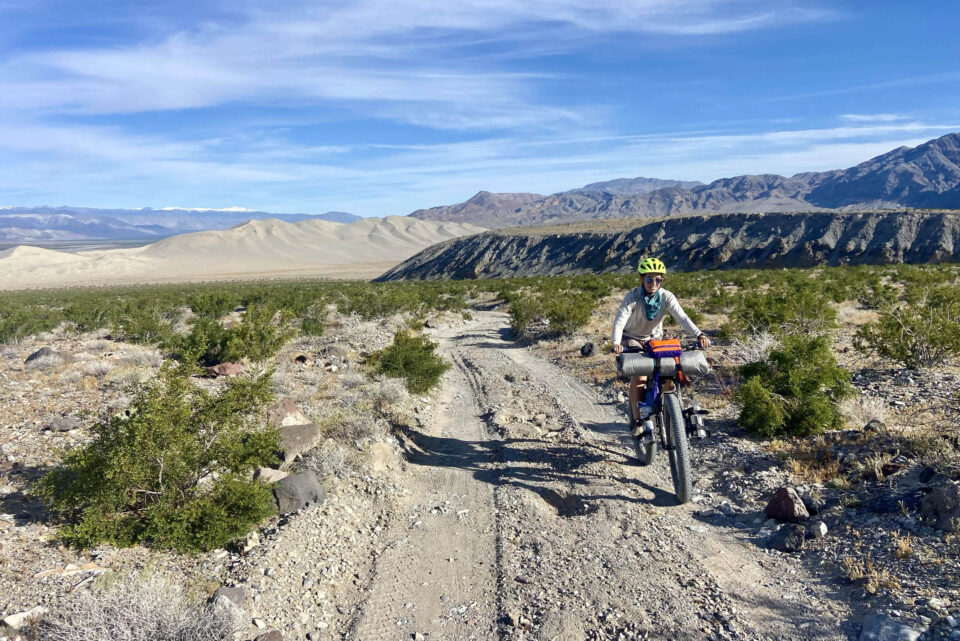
(20, 619)
(818, 530)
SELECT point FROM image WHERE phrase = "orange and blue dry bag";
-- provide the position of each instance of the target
(666, 348)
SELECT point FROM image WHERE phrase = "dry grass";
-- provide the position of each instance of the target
(332, 459)
(137, 608)
(871, 467)
(751, 349)
(139, 356)
(873, 578)
(97, 368)
(46, 362)
(808, 461)
(903, 546)
(860, 410)
(850, 313)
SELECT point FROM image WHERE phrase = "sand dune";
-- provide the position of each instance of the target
(265, 248)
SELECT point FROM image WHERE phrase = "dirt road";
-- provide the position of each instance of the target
(528, 519)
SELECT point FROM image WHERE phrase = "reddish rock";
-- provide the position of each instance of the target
(787, 506)
(226, 369)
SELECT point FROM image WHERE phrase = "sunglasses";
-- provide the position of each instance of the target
(652, 279)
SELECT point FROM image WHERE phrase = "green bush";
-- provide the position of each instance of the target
(411, 357)
(568, 311)
(921, 335)
(213, 304)
(134, 322)
(795, 391)
(522, 312)
(803, 310)
(175, 474)
(259, 335)
(312, 321)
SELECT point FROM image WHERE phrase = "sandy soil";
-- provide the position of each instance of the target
(258, 249)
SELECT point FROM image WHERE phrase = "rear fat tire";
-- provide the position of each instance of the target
(679, 451)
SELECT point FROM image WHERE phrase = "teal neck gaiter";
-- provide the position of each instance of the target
(652, 304)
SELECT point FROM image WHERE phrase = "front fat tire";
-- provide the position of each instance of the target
(646, 450)
(679, 452)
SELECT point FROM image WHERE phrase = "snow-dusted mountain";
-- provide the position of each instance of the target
(39, 224)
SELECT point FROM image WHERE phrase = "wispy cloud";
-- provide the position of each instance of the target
(378, 57)
(872, 117)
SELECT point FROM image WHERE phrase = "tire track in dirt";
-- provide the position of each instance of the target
(573, 541)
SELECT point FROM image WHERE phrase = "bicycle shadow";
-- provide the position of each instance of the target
(525, 463)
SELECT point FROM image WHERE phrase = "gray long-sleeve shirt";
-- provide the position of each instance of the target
(631, 319)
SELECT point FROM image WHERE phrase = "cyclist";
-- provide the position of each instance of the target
(640, 318)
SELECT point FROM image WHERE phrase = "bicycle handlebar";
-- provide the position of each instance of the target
(639, 350)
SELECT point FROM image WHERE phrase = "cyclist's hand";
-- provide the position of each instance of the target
(618, 349)
(704, 341)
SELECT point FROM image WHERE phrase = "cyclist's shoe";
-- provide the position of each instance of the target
(642, 429)
(645, 410)
(647, 433)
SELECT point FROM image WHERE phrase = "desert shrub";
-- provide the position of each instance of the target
(568, 311)
(411, 357)
(17, 322)
(137, 608)
(207, 340)
(145, 324)
(173, 474)
(753, 348)
(794, 391)
(312, 320)
(801, 311)
(523, 310)
(260, 334)
(331, 459)
(213, 304)
(921, 335)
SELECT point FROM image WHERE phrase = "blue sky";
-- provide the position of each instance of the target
(380, 107)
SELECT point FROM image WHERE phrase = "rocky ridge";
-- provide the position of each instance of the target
(719, 241)
(926, 176)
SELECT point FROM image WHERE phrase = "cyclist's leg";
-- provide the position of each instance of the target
(638, 386)
(637, 383)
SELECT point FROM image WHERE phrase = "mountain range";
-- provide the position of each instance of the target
(694, 242)
(926, 176)
(39, 224)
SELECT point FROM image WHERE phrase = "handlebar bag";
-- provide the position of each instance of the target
(666, 348)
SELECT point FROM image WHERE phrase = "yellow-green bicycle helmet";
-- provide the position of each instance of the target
(651, 266)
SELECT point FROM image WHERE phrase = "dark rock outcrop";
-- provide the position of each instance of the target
(789, 538)
(718, 241)
(297, 491)
(942, 506)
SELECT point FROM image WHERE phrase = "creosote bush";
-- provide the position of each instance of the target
(794, 391)
(923, 334)
(259, 335)
(410, 356)
(172, 475)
